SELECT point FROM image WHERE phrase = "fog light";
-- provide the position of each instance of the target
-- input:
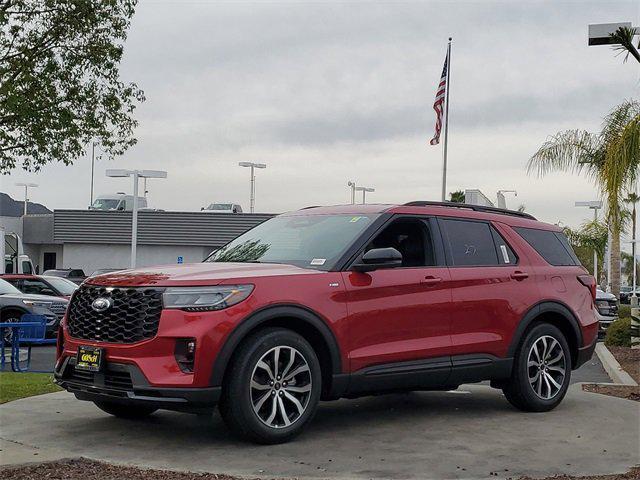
(185, 354)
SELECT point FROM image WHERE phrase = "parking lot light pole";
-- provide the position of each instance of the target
(594, 205)
(352, 187)
(136, 174)
(364, 191)
(26, 194)
(252, 195)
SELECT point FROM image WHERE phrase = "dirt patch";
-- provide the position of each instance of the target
(92, 470)
(629, 360)
(633, 474)
(623, 391)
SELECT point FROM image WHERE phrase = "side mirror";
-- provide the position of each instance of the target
(378, 258)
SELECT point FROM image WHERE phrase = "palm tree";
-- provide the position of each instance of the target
(457, 196)
(623, 38)
(610, 158)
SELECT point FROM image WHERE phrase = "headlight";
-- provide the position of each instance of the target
(202, 299)
(32, 303)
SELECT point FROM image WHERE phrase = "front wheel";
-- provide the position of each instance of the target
(122, 410)
(541, 370)
(272, 388)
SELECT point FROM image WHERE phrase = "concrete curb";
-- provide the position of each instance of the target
(612, 367)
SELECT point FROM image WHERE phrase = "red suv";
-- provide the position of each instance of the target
(331, 302)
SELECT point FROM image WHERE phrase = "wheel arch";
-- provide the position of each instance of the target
(293, 317)
(556, 313)
(12, 308)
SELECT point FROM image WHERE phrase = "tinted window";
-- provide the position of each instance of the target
(552, 246)
(36, 287)
(411, 237)
(470, 243)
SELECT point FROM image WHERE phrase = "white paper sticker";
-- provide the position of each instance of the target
(505, 254)
(318, 261)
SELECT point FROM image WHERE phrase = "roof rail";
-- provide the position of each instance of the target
(476, 208)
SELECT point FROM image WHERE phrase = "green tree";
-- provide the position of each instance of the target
(591, 236)
(623, 38)
(457, 196)
(60, 86)
(610, 158)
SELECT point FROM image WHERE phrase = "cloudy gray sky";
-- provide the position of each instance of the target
(327, 92)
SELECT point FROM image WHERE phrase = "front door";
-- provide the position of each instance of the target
(399, 318)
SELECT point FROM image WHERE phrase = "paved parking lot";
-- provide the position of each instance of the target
(470, 433)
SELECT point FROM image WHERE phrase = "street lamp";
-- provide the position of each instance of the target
(502, 202)
(134, 216)
(352, 186)
(594, 205)
(252, 166)
(26, 194)
(364, 191)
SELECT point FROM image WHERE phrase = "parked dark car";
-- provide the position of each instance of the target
(14, 304)
(76, 275)
(331, 302)
(42, 285)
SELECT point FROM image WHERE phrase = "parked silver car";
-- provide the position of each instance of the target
(606, 310)
(14, 304)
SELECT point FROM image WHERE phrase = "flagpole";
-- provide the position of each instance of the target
(446, 125)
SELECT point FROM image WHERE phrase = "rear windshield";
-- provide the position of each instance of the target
(552, 246)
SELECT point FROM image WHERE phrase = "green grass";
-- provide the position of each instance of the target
(20, 385)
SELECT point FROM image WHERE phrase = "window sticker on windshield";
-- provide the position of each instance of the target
(318, 261)
(355, 219)
(505, 255)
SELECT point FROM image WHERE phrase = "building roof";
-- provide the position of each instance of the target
(14, 208)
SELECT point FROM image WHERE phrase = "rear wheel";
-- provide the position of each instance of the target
(122, 410)
(541, 370)
(272, 388)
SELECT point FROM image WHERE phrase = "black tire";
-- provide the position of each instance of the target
(10, 316)
(239, 396)
(122, 410)
(522, 388)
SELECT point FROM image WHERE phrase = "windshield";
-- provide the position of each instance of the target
(105, 204)
(7, 289)
(310, 241)
(64, 286)
(219, 206)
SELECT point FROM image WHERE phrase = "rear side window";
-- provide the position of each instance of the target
(552, 246)
(470, 243)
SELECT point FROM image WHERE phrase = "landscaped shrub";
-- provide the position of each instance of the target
(624, 311)
(619, 333)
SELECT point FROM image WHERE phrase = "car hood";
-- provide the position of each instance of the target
(35, 298)
(602, 295)
(206, 273)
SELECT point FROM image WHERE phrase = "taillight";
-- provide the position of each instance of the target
(590, 282)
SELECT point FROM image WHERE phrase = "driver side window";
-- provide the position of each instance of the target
(411, 237)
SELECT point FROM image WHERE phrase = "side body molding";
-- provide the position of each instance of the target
(539, 309)
(294, 312)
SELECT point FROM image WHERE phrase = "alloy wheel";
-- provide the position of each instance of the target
(280, 387)
(546, 366)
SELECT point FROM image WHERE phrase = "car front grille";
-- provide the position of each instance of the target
(112, 377)
(134, 314)
(58, 308)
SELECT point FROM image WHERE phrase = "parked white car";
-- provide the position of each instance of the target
(117, 201)
(222, 208)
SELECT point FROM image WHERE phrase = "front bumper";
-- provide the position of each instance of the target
(125, 383)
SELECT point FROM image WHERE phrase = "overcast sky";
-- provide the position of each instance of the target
(328, 92)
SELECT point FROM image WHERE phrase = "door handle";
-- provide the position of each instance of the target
(518, 275)
(429, 280)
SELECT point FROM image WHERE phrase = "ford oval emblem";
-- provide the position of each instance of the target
(101, 304)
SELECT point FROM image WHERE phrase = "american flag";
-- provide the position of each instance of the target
(438, 104)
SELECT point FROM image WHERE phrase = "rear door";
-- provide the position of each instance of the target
(401, 314)
(492, 288)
